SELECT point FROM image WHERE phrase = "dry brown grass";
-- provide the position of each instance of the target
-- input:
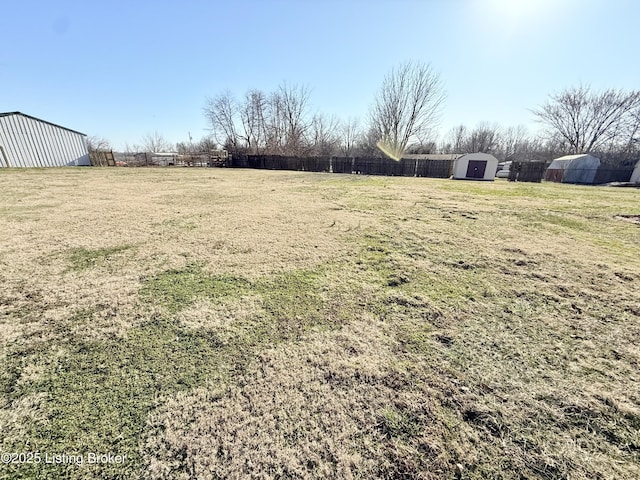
(246, 226)
(305, 410)
(257, 324)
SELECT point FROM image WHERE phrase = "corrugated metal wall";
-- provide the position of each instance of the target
(29, 142)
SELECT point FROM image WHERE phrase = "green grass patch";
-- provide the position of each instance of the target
(85, 258)
(180, 224)
(396, 424)
(98, 393)
(544, 220)
(178, 288)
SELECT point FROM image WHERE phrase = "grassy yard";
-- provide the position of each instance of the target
(218, 323)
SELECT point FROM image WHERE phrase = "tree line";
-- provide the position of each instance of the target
(404, 118)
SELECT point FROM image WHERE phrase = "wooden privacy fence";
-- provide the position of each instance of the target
(102, 158)
(527, 171)
(536, 171)
(279, 162)
(612, 173)
(351, 165)
(434, 168)
(605, 173)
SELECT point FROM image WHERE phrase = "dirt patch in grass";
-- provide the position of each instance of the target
(629, 218)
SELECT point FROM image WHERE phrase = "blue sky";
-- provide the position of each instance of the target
(122, 69)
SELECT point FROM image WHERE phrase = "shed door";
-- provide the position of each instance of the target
(476, 168)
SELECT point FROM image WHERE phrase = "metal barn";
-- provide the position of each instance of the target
(580, 168)
(27, 141)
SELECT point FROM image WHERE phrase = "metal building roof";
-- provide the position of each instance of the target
(6, 114)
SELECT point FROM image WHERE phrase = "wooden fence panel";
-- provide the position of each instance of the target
(238, 161)
(408, 167)
(342, 164)
(434, 168)
(612, 173)
(102, 158)
(315, 164)
(378, 166)
(255, 161)
(365, 166)
(527, 171)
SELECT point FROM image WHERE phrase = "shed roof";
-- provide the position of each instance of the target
(7, 114)
(432, 156)
(574, 157)
(564, 162)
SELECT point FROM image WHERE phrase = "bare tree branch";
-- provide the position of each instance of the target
(252, 115)
(350, 136)
(222, 111)
(155, 142)
(589, 121)
(407, 106)
(294, 101)
(95, 143)
(323, 135)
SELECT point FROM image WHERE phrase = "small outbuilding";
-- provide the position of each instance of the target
(635, 176)
(475, 166)
(27, 141)
(573, 169)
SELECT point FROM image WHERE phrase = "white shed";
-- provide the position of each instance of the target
(475, 166)
(27, 141)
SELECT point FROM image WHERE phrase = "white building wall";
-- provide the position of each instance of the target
(29, 142)
(635, 176)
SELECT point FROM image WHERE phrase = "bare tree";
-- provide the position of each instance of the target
(483, 138)
(407, 107)
(284, 120)
(455, 140)
(275, 123)
(323, 137)
(252, 117)
(294, 101)
(350, 135)
(222, 113)
(513, 141)
(589, 121)
(155, 142)
(367, 144)
(206, 144)
(96, 143)
(133, 148)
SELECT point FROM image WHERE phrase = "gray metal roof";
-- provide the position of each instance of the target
(7, 114)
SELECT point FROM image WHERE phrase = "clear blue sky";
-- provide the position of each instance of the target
(121, 69)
